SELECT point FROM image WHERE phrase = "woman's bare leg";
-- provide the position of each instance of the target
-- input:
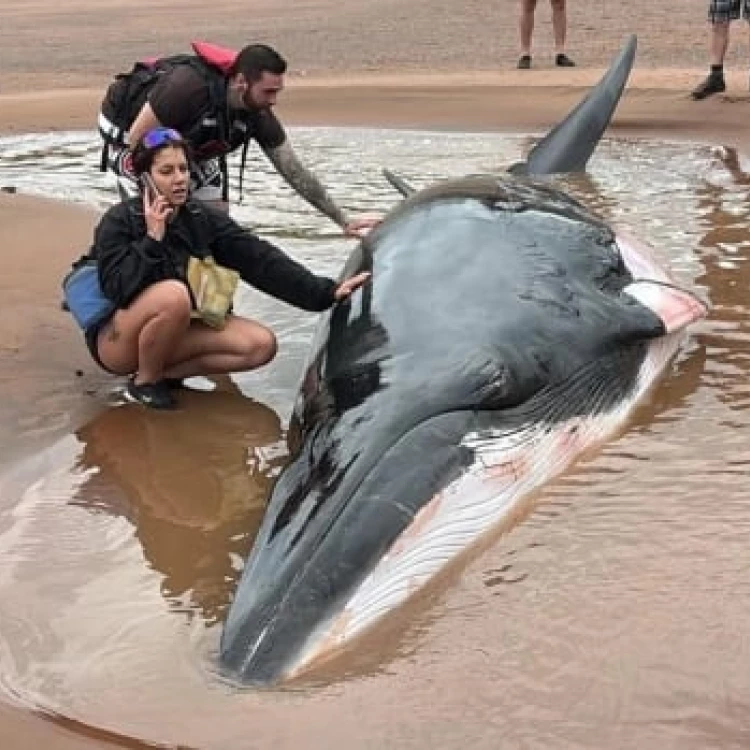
(140, 339)
(155, 338)
(241, 345)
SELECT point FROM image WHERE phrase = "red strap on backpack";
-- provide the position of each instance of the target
(220, 57)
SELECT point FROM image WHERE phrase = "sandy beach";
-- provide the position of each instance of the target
(376, 63)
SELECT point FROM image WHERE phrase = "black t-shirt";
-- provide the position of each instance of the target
(180, 98)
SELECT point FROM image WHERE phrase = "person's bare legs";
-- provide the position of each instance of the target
(719, 43)
(559, 25)
(240, 346)
(560, 30)
(139, 339)
(155, 338)
(715, 84)
(526, 25)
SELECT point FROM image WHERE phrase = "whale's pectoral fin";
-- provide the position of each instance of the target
(570, 144)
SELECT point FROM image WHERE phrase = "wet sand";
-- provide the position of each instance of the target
(390, 72)
(656, 104)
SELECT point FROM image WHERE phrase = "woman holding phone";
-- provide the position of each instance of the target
(142, 247)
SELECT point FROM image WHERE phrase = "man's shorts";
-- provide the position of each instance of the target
(205, 176)
(723, 11)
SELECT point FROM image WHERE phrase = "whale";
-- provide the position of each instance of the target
(506, 332)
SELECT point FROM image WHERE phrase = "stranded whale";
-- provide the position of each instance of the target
(506, 330)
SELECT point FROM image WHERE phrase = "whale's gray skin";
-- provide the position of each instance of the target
(505, 332)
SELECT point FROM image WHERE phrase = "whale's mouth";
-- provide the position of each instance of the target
(655, 288)
(640, 259)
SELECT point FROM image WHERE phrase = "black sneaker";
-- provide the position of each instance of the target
(153, 395)
(712, 85)
(524, 62)
(563, 61)
(174, 384)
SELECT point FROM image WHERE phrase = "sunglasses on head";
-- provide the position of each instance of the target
(160, 137)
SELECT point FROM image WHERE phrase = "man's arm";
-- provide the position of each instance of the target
(304, 182)
(143, 123)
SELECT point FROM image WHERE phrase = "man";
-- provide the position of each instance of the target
(559, 28)
(720, 14)
(218, 101)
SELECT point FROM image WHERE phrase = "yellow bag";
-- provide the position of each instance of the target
(213, 288)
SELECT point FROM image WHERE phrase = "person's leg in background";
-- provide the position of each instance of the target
(526, 30)
(560, 31)
(720, 15)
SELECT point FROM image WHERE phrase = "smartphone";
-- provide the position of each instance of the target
(148, 185)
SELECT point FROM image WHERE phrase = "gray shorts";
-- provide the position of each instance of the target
(205, 176)
(724, 11)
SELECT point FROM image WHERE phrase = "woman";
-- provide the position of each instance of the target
(142, 247)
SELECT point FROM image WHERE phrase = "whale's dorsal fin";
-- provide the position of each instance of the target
(569, 145)
(399, 183)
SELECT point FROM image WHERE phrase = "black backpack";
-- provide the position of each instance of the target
(127, 94)
(129, 91)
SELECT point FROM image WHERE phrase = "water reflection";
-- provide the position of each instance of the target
(670, 404)
(724, 250)
(193, 483)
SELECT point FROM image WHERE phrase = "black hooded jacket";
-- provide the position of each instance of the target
(129, 260)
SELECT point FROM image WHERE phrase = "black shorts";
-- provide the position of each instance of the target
(723, 11)
(91, 335)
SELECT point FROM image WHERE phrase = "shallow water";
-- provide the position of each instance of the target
(615, 615)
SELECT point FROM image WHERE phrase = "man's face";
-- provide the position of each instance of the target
(260, 94)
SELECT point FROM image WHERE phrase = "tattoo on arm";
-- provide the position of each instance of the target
(304, 182)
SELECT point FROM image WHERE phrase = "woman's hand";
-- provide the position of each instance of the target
(157, 211)
(346, 287)
(360, 227)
